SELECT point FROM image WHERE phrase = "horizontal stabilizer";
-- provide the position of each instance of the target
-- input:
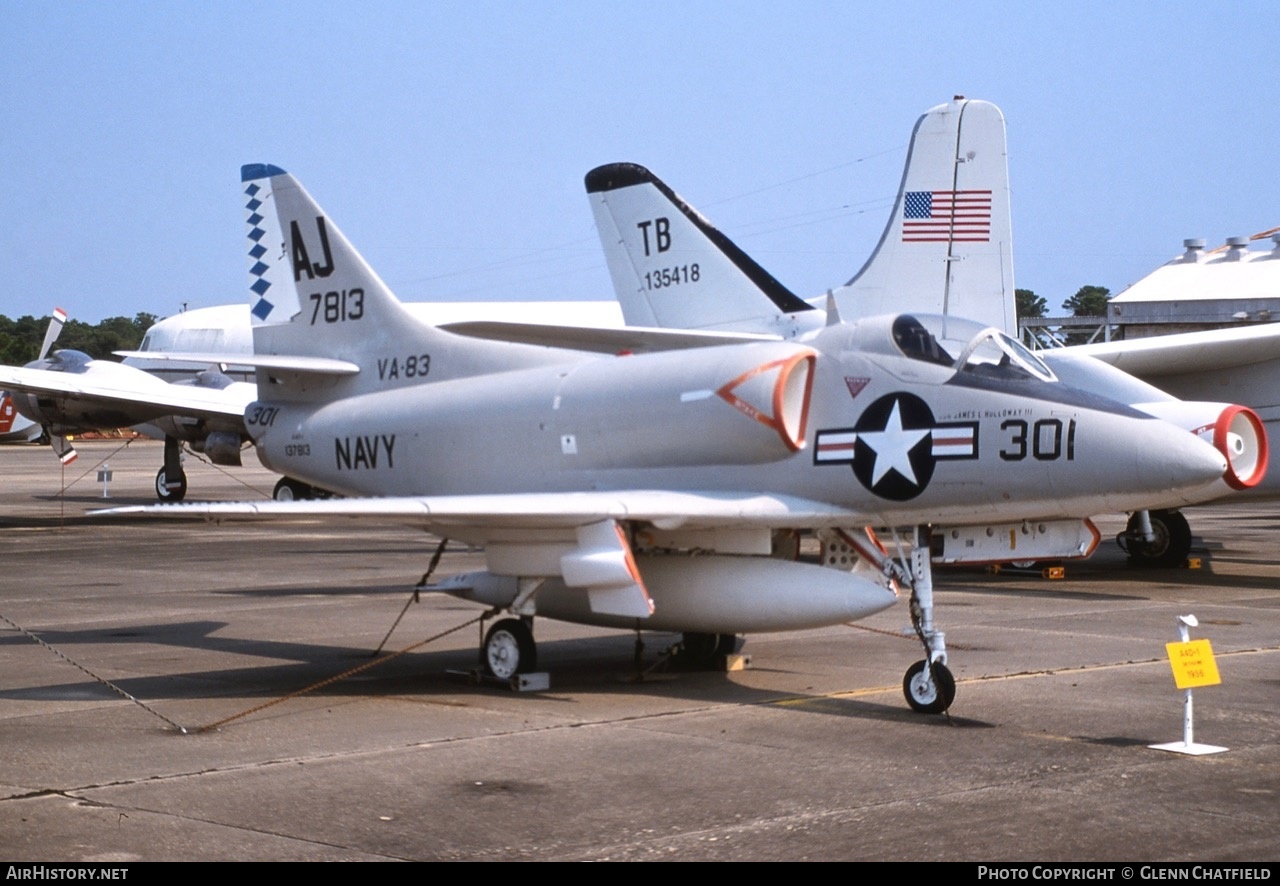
(313, 365)
(601, 340)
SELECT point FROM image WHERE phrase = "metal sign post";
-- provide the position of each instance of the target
(1193, 665)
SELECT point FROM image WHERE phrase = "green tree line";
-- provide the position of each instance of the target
(20, 339)
(1089, 301)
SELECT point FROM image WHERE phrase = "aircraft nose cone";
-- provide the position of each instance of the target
(1179, 460)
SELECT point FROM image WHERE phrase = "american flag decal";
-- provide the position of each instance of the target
(950, 440)
(955, 440)
(834, 447)
(946, 216)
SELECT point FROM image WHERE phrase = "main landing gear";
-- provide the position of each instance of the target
(699, 651)
(289, 489)
(509, 649)
(1156, 538)
(171, 480)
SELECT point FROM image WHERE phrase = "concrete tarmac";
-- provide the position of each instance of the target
(810, 754)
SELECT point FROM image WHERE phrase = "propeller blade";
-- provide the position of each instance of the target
(62, 448)
(56, 319)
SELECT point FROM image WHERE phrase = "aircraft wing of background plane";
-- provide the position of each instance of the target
(140, 395)
(66, 391)
(1240, 363)
(1187, 352)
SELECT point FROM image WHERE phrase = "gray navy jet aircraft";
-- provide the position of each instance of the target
(654, 490)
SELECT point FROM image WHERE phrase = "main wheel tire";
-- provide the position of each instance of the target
(728, 644)
(927, 696)
(175, 493)
(509, 649)
(1171, 545)
(699, 649)
(288, 489)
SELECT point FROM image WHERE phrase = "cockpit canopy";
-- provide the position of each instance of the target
(63, 360)
(961, 345)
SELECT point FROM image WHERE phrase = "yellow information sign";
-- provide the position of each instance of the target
(1193, 664)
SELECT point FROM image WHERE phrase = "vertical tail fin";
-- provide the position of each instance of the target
(671, 268)
(314, 302)
(306, 277)
(948, 247)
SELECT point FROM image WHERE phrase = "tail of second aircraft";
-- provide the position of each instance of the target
(948, 247)
(672, 269)
(325, 325)
(946, 250)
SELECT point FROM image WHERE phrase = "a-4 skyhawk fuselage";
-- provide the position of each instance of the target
(663, 489)
(850, 418)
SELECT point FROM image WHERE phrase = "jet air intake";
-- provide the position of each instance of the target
(744, 405)
(1235, 431)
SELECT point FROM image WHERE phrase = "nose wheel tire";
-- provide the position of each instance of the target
(925, 695)
(168, 493)
(509, 649)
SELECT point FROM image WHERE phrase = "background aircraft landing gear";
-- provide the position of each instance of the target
(509, 649)
(929, 693)
(166, 491)
(171, 481)
(1170, 543)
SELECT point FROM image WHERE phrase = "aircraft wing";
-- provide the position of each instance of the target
(577, 537)
(149, 399)
(602, 340)
(482, 518)
(1187, 352)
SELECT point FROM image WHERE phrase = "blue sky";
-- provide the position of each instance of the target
(449, 140)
